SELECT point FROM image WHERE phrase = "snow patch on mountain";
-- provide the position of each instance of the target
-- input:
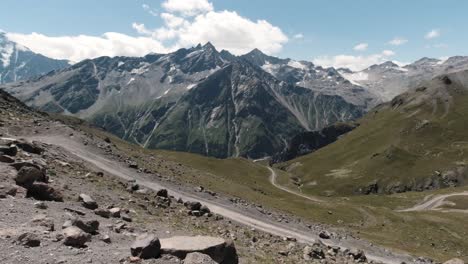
(5, 54)
(297, 64)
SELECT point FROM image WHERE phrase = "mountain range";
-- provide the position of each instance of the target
(19, 63)
(211, 102)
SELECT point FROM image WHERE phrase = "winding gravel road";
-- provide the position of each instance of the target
(273, 177)
(260, 222)
(433, 203)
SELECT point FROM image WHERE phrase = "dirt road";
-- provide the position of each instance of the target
(433, 203)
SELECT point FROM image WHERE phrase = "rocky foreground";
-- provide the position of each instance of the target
(58, 209)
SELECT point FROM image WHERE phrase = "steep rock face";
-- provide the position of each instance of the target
(198, 100)
(242, 111)
(307, 142)
(19, 63)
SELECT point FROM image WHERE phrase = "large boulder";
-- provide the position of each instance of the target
(28, 175)
(220, 250)
(146, 246)
(30, 147)
(87, 201)
(44, 192)
(198, 258)
(75, 237)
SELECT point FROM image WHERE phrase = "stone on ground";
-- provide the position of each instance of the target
(44, 192)
(198, 258)
(218, 249)
(75, 237)
(146, 246)
(87, 201)
(29, 239)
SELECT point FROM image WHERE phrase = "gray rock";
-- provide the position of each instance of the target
(218, 249)
(6, 159)
(193, 206)
(67, 224)
(40, 205)
(358, 255)
(28, 175)
(105, 239)
(126, 218)
(324, 235)
(146, 246)
(90, 226)
(75, 237)
(198, 258)
(162, 193)
(7, 190)
(30, 147)
(44, 192)
(9, 150)
(115, 212)
(87, 201)
(43, 221)
(103, 212)
(29, 239)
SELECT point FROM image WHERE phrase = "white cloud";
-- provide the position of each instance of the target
(361, 47)
(299, 36)
(185, 23)
(227, 30)
(435, 33)
(77, 48)
(188, 7)
(397, 41)
(355, 63)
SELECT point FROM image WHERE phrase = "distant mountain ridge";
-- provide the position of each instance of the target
(19, 63)
(388, 79)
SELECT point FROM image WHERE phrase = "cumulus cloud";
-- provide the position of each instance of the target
(298, 36)
(397, 41)
(435, 33)
(228, 30)
(77, 48)
(355, 63)
(185, 23)
(188, 7)
(361, 47)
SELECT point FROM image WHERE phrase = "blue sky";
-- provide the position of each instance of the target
(325, 31)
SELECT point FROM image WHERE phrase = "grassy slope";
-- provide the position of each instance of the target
(392, 146)
(371, 217)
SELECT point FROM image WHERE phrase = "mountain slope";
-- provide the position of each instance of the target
(305, 74)
(19, 63)
(388, 79)
(198, 100)
(415, 142)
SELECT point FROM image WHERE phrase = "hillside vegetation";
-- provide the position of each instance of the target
(416, 142)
